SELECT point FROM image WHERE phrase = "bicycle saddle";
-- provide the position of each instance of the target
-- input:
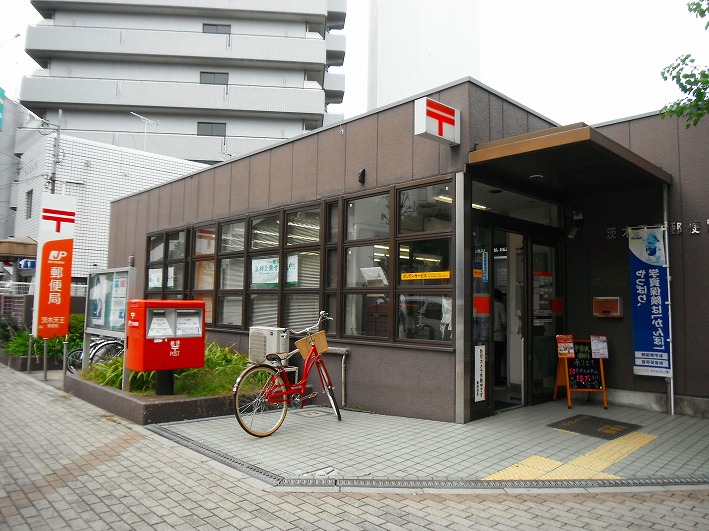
(273, 357)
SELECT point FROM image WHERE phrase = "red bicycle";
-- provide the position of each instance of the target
(262, 392)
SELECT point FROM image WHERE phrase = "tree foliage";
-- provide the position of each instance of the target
(692, 80)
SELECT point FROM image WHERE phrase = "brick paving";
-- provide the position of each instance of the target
(65, 464)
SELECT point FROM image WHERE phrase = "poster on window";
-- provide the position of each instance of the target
(650, 301)
(479, 390)
(155, 279)
(264, 271)
(118, 301)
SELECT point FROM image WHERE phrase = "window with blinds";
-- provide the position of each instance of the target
(381, 264)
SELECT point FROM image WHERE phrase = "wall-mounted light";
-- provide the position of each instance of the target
(361, 175)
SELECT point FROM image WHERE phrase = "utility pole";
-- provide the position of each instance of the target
(55, 159)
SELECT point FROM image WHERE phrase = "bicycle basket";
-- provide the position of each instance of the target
(303, 345)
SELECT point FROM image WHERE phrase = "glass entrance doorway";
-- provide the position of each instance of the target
(508, 314)
(517, 306)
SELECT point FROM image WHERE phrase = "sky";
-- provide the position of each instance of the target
(569, 60)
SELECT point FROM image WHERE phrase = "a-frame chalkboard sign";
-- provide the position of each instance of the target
(579, 370)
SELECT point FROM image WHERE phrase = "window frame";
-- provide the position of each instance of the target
(202, 125)
(163, 264)
(415, 290)
(363, 291)
(29, 199)
(210, 78)
(221, 294)
(331, 290)
(213, 28)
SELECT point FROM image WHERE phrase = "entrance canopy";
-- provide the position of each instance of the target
(564, 162)
(12, 249)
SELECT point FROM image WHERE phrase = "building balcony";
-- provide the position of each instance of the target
(308, 10)
(335, 49)
(47, 41)
(336, 14)
(188, 147)
(334, 85)
(40, 93)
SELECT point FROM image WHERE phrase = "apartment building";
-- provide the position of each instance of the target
(203, 80)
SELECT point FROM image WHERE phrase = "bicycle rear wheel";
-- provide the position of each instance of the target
(256, 413)
(106, 351)
(327, 387)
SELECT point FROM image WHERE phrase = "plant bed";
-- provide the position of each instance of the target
(147, 409)
(19, 363)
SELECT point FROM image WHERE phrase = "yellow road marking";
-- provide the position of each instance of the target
(587, 466)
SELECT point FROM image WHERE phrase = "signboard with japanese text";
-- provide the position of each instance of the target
(424, 275)
(565, 346)
(265, 271)
(599, 347)
(650, 301)
(479, 390)
(436, 121)
(55, 248)
(584, 370)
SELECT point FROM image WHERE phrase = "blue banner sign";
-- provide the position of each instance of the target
(650, 301)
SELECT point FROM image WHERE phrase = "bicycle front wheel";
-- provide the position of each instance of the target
(258, 412)
(327, 387)
(73, 360)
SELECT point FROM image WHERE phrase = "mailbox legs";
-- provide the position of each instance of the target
(165, 382)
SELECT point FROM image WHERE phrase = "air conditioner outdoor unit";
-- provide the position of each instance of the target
(267, 340)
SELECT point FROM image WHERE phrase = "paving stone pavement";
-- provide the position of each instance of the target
(66, 464)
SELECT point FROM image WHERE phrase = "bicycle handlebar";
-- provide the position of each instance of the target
(322, 317)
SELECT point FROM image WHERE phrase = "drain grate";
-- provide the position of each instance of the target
(237, 464)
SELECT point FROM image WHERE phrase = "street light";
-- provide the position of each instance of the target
(146, 121)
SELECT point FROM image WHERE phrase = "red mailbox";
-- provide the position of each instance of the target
(164, 335)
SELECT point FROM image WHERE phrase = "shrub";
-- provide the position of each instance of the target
(110, 373)
(18, 344)
(217, 377)
(9, 326)
(76, 324)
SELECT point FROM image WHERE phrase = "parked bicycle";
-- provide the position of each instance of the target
(263, 392)
(101, 349)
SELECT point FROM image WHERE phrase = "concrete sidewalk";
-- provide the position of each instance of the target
(313, 449)
(68, 465)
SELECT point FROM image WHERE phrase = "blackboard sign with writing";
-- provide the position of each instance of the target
(584, 369)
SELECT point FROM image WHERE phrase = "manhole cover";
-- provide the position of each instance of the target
(312, 413)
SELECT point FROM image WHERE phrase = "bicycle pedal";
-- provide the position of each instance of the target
(311, 395)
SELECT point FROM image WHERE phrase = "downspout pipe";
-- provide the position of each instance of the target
(670, 380)
(344, 352)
